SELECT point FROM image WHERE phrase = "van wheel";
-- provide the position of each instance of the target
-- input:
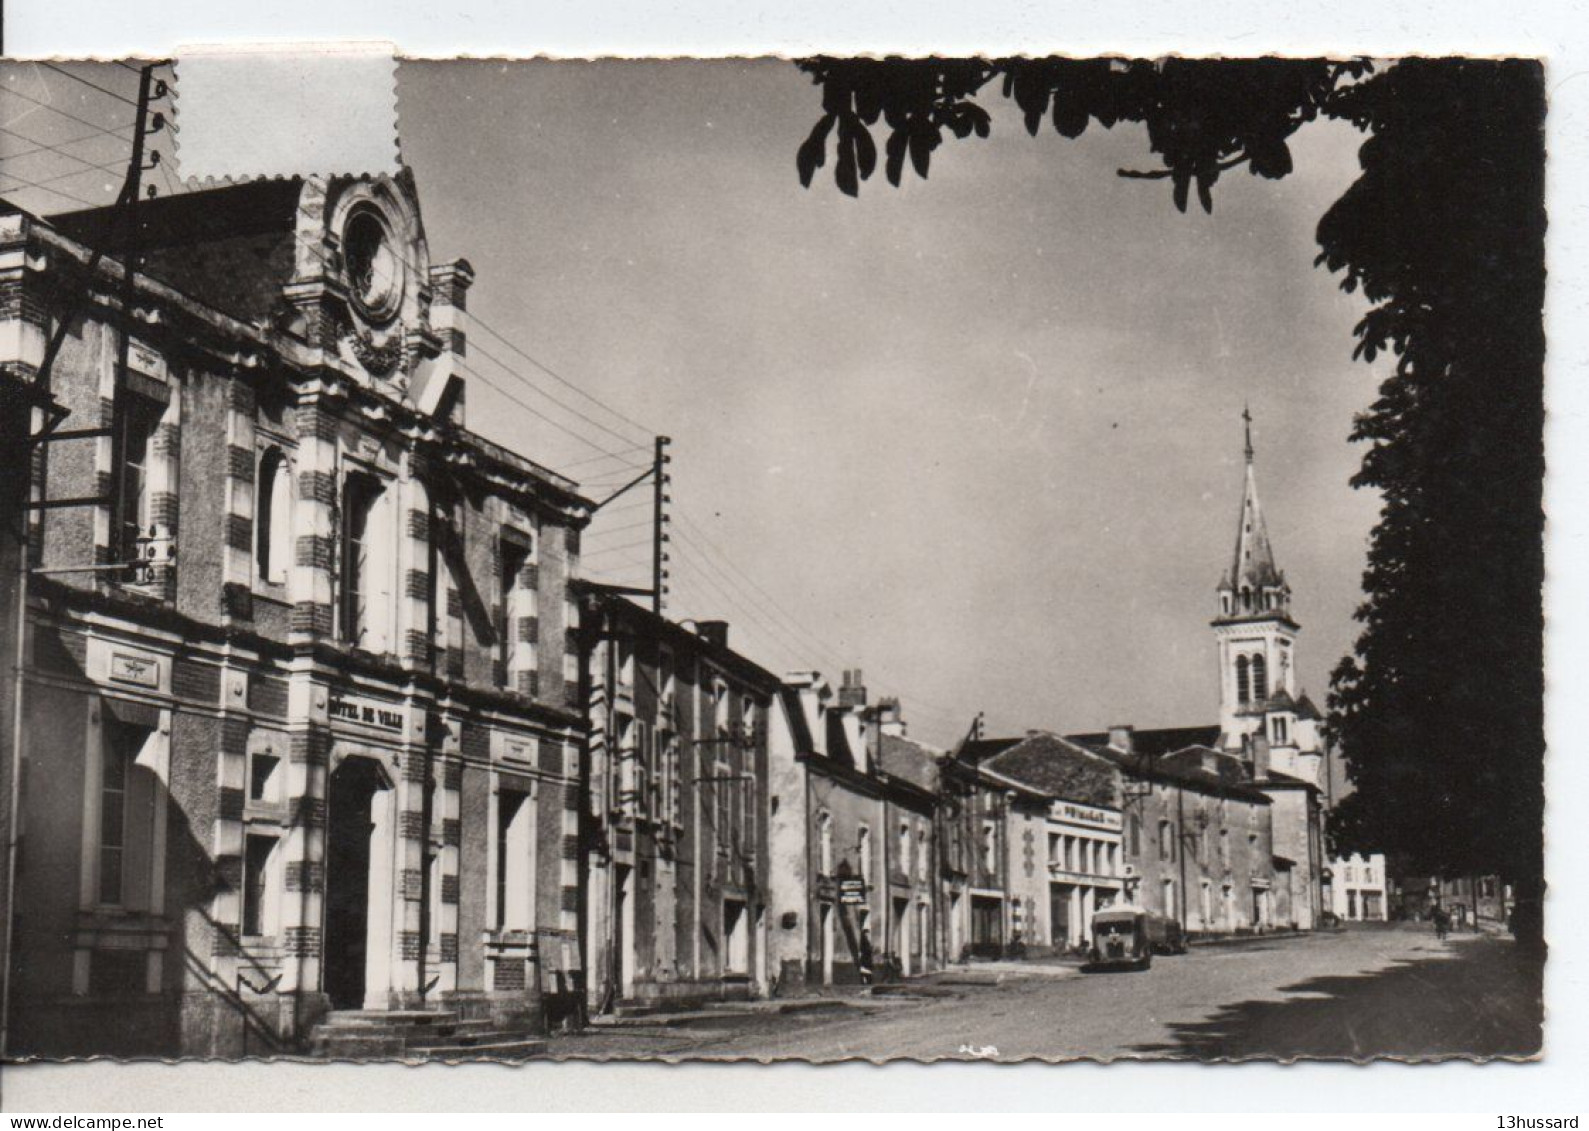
(1146, 963)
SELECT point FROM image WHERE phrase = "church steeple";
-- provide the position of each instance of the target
(1254, 585)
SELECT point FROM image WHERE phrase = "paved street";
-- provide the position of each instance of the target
(1362, 993)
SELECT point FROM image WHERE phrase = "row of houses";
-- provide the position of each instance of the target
(368, 741)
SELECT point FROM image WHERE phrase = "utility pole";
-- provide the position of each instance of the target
(122, 216)
(660, 499)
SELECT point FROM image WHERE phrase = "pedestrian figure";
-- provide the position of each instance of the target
(864, 956)
(1442, 923)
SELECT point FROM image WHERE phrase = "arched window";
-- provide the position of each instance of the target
(1241, 679)
(825, 844)
(1260, 685)
(1246, 599)
(273, 517)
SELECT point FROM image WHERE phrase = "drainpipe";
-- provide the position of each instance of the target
(1180, 847)
(14, 802)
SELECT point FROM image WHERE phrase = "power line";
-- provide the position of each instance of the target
(608, 533)
(621, 455)
(597, 459)
(113, 131)
(54, 149)
(532, 409)
(614, 549)
(60, 193)
(561, 404)
(544, 368)
(91, 85)
(820, 648)
(40, 147)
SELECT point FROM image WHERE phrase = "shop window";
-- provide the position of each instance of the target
(273, 517)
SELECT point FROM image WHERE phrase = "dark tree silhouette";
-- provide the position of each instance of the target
(1439, 711)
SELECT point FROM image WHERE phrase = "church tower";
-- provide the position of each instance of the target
(1262, 717)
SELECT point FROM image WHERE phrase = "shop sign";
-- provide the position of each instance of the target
(367, 712)
(1087, 815)
(852, 892)
(141, 670)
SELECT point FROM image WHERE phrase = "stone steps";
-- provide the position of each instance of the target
(418, 1035)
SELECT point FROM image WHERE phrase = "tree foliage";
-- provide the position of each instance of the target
(1439, 710)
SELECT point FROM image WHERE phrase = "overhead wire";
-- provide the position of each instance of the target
(717, 572)
(621, 456)
(91, 85)
(114, 131)
(550, 372)
(815, 645)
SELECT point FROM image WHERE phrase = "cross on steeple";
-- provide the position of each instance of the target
(1246, 419)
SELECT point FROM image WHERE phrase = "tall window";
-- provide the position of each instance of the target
(1243, 693)
(259, 910)
(904, 847)
(113, 814)
(1260, 683)
(990, 846)
(273, 517)
(863, 846)
(1134, 828)
(137, 418)
(825, 844)
(367, 546)
(512, 650)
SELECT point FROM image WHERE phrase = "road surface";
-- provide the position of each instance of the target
(1362, 993)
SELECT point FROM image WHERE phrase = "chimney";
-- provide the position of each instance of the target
(852, 692)
(889, 718)
(1120, 739)
(713, 632)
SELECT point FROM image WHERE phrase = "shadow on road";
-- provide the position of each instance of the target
(1483, 998)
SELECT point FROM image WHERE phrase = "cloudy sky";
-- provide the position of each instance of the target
(979, 436)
